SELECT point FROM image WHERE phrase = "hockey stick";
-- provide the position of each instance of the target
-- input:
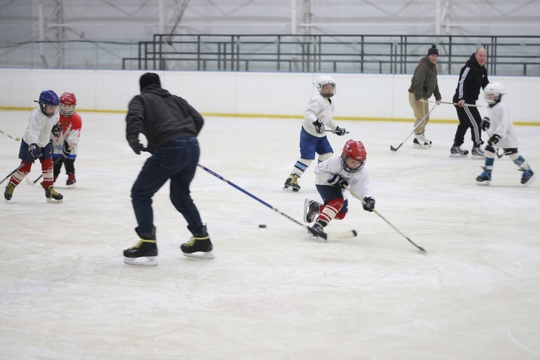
(451, 103)
(14, 171)
(388, 222)
(496, 148)
(417, 125)
(320, 234)
(335, 132)
(11, 137)
(32, 183)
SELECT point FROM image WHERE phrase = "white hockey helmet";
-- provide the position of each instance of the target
(493, 92)
(326, 80)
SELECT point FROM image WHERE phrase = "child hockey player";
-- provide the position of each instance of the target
(502, 134)
(65, 144)
(35, 144)
(317, 117)
(333, 176)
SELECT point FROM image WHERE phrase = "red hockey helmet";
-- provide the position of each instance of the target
(68, 99)
(356, 151)
(67, 104)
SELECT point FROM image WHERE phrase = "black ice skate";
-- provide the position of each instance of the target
(144, 253)
(8, 193)
(198, 246)
(317, 230)
(292, 183)
(456, 151)
(477, 153)
(52, 195)
(527, 177)
(484, 178)
(311, 210)
(70, 182)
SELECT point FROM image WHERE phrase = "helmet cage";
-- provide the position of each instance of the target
(354, 150)
(325, 80)
(66, 110)
(493, 93)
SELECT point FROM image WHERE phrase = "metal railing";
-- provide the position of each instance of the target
(381, 54)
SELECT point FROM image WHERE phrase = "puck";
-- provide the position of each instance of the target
(262, 226)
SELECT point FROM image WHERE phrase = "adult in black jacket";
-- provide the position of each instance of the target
(472, 77)
(170, 126)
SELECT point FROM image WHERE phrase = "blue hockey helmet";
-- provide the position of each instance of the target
(49, 97)
(48, 102)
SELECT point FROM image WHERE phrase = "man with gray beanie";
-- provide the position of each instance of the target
(423, 85)
(170, 125)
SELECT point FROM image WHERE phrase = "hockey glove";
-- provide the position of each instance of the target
(485, 123)
(136, 146)
(34, 151)
(338, 181)
(369, 203)
(319, 126)
(340, 131)
(494, 139)
(65, 149)
(56, 130)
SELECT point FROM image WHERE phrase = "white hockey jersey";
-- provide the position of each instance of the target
(501, 124)
(321, 108)
(38, 130)
(358, 180)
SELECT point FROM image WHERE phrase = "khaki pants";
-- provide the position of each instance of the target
(420, 110)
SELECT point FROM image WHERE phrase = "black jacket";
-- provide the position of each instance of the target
(472, 77)
(161, 117)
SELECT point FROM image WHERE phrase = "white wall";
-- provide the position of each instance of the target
(359, 96)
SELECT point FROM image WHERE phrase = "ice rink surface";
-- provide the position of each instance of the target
(274, 293)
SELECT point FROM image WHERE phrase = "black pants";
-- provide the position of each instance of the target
(68, 163)
(469, 117)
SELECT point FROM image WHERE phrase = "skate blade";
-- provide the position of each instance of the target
(142, 261)
(483, 183)
(286, 188)
(52, 201)
(418, 146)
(458, 155)
(199, 255)
(529, 181)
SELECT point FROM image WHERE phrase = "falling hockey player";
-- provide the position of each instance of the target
(333, 176)
(502, 134)
(317, 118)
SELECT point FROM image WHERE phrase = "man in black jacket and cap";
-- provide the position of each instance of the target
(472, 77)
(170, 126)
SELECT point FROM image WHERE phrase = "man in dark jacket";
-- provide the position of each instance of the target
(423, 85)
(170, 126)
(472, 77)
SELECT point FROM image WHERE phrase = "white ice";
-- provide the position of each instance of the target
(274, 293)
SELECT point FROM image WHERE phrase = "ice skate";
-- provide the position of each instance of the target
(292, 183)
(484, 178)
(144, 253)
(311, 210)
(317, 231)
(456, 151)
(8, 193)
(420, 142)
(527, 177)
(477, 153)
(199, 246)
(52, 195)
(70, 182)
